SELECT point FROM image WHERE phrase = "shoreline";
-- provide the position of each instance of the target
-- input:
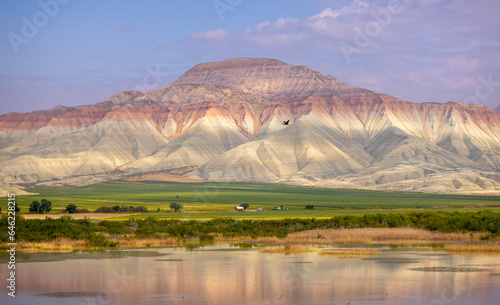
(358, 238)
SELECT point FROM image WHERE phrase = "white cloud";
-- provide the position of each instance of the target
(430, 50)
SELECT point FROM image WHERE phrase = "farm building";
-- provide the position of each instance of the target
(239, 208)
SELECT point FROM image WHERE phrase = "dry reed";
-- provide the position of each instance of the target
(268, 239)
(367, 235)
(147, 242)
(219, 238)
(288, 249)
(57, 245)
(473, 247)
(349, 253)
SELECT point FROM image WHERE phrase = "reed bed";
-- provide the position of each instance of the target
(474, 247)
(56, 245)
(350, 253)
(289, 249)
(219, 238)
(147, 242)
(268, 239)
(368, 235)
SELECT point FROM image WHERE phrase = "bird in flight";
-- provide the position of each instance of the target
(286, 122)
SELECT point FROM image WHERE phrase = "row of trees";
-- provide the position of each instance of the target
(65, 227)
(121, 209)
(45, 206)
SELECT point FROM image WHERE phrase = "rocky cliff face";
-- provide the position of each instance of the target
(223, 121)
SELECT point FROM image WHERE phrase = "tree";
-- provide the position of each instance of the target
(309, 207)
(46, 206)
(34, 207)
(71, 208)
(16, 208)
(176, 206)
(40, 208)
(116, 208)
(244, 205)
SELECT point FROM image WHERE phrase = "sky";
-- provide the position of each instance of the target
(75, 52)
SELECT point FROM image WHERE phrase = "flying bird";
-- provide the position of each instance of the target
(286, 122)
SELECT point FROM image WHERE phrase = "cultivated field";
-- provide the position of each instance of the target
(210, 200)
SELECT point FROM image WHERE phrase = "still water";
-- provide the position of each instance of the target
(229, 275)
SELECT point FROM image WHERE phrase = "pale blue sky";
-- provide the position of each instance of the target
(75, 52)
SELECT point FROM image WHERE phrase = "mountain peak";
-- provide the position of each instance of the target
(236, 63)
(270, 78)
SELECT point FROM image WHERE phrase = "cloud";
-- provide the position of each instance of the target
(421, 50)
(120, 26)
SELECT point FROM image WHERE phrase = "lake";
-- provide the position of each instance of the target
(226, 274)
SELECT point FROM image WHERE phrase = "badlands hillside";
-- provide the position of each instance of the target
(222, 121)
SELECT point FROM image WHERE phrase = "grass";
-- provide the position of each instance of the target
(210, 200)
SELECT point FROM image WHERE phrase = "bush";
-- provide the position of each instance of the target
(99, 240)
(126, 209)
(142, 209)
(122, 209)
(71, 208)
(176, 206)
(244, 205)
(309, 207)
(104, 210)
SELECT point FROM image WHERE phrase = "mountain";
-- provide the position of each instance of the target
(497, 109)
(222, 121)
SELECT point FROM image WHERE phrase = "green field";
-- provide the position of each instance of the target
(209, 200)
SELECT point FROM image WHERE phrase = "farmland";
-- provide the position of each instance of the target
(212, 200)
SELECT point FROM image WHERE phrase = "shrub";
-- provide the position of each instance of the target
(142, 209)
(71, 208)
(126, 209)
(122, 209)
(104, 210)
(309, 207)
(99, 240)
(176, 206)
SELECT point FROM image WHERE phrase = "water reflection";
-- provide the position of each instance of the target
(177, 276)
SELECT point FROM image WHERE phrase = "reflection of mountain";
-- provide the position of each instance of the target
(223, 120)
(249, 277)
